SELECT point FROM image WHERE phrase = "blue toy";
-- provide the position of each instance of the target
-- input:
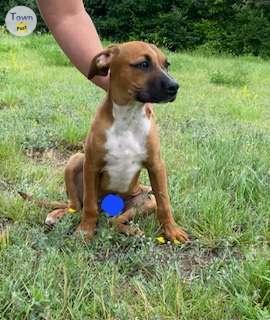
(112, 204)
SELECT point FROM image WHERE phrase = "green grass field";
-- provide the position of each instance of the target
(216, 143)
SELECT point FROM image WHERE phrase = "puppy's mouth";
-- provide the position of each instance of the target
(159, 97)
(172, 98)
(158, 90)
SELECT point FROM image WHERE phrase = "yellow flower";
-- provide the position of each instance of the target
(71, 210)
(161, 240)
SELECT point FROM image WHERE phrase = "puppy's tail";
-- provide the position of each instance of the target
(44, 203)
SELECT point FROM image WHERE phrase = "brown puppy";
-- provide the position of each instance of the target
(123, 139)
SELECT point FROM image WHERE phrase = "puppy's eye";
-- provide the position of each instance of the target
(144, 65)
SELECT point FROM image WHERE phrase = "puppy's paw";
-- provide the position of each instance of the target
(129, 230)
(85, 230)
(173, 232)
(54, 216)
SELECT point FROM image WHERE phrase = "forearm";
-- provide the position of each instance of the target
(75, 32)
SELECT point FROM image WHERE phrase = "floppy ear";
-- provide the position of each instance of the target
(100, 64)
(153, 46)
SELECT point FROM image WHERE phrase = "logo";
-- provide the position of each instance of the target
(21, 27)
(21, 21)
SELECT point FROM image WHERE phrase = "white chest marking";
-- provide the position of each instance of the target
(126, 145)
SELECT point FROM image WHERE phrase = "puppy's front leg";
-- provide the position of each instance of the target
(90, 200)
(158, 178)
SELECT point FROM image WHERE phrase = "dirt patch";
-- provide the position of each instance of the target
(4, 231)
(73, 147)
(191, 259)
(10, 103)
(8, 186)
(5, 222)
(3, 105)
(51, 156)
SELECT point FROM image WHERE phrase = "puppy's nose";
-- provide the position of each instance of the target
(172, 87)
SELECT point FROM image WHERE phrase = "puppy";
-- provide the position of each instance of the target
(122, 140)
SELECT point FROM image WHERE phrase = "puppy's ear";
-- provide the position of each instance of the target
(154, 47)
(100, 64)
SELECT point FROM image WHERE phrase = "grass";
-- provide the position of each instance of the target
(216, 143)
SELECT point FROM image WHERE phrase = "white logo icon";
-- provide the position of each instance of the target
(21, 21)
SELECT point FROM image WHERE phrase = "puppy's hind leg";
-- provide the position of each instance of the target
(143, 204)
(54, 216)
(74, 188)
(74, 181)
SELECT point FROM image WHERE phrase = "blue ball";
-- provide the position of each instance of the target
(112, 205)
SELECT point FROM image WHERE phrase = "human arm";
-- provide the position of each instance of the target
(75, 33)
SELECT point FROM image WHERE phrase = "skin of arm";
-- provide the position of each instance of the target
(75, 33)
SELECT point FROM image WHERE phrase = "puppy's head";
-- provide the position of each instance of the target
(138, 72)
